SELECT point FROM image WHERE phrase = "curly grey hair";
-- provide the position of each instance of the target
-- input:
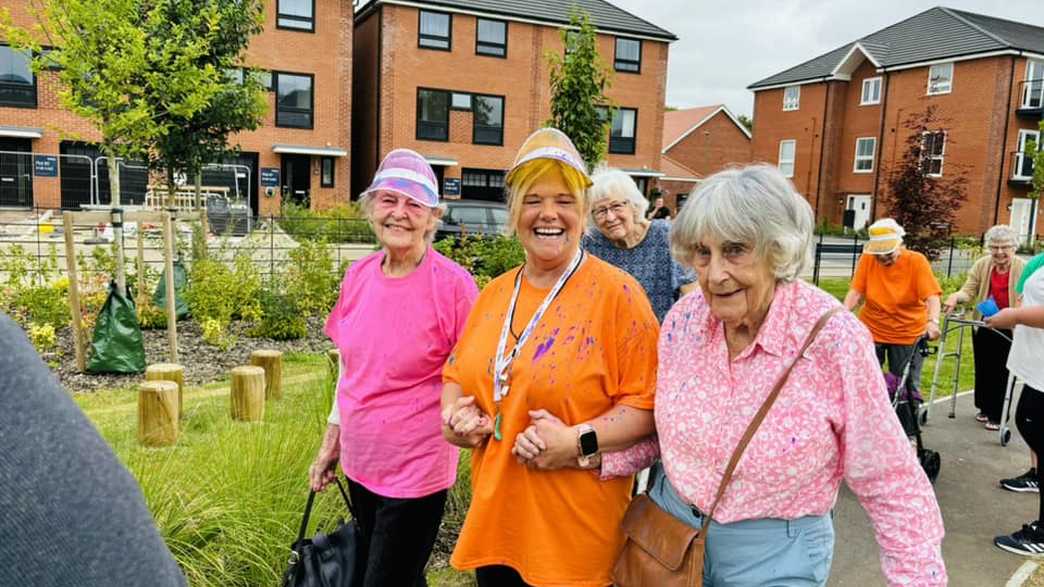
(610, 182)
(1002, 234)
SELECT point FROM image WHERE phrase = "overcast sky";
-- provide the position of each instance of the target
(726, 45)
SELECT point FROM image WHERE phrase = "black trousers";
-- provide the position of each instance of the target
(991, 371)
(1029, 417)
(397, 535)
(898, 355)
(498, 576)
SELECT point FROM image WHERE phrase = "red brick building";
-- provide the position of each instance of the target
(465, 82)
(698, 142)
(834, 124)
(302, 145)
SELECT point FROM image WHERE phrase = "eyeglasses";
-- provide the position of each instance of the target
(617, 208)
(997, 248)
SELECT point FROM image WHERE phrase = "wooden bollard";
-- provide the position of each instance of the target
(158, 413)
(272, 363)
(169, 372)
(248, 394)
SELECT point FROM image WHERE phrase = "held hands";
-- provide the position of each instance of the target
(464, 424)
(546, 444)
(1004, 320)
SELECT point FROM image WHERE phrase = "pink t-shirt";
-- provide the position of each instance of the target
(394, 335)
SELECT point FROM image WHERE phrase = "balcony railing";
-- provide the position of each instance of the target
(1021, 167)
(1032, 97)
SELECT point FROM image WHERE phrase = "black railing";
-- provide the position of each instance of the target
(433, 131)
(17, 94)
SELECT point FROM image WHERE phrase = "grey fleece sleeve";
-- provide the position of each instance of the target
(70, 513)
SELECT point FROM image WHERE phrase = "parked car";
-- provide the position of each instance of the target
(473, 217)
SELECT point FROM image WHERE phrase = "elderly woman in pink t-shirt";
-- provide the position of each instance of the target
(722, 349)
(399, 315)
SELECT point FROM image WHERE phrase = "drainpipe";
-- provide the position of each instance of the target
(1004, 142)
(880, 147)
(822, 145)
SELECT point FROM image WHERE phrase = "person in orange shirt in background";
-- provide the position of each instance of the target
(557, 363)
(901, 295)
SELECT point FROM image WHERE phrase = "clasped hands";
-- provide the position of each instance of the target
(546, 444)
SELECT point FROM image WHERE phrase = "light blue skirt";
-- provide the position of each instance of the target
(762, 553)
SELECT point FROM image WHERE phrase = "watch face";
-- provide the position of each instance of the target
(588, 443)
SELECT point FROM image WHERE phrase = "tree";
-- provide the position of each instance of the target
(579, 80)
(920, 196)
(1037, 155)
(746, 121)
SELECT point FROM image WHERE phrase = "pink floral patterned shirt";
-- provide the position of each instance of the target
(832, 421)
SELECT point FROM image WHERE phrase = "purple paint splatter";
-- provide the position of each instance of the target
(545, 346)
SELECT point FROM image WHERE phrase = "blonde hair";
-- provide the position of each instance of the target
(527, 174)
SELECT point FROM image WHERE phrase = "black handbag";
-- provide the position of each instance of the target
(325, 560)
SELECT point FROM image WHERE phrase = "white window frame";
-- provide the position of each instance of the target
(942, 156)
(1020, 155)
(870, 83)
(790, 162)
(871, 158)
(1032, 89)
(793, 102)
(935, 90)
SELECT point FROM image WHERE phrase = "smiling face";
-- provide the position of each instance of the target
(1001, 252)
(549, 221)
(737, 283)
(400, 223)
(614, 218)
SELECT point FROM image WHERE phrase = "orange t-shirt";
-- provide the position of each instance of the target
(595, 348)
(894, 310)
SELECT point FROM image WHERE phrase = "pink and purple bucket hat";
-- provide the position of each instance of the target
(406, 172)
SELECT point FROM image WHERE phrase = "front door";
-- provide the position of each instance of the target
(16, 173)
(861, 205)
(1023, 214)
(297, 179)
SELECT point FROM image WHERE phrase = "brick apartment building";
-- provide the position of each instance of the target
(698, 142)
(834, 124)
(464, 82)
(300, 151)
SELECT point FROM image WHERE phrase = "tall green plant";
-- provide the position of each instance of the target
(1037, 155)
(579, 80)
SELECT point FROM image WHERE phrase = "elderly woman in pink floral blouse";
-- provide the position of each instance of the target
(748, 234)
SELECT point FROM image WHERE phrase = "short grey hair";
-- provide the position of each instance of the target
(610, 182)
(366, 205)
(1001, 234)
(754, 205)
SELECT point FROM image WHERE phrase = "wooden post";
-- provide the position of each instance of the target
(333, 362)
(248, 394)
(272, 363)
(74, 292)
(158, 413)
(168, 258)
(169, 372)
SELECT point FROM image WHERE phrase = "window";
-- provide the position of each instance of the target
(864, 155)
(461, 102)
(786, 157)
(871, 91)
(48, 58)
(940, 78)
(1023, 157)
(293, 99)
(1033, 87)
(491, 37)
(791, 98)
(265, 77)
(621, 133)
(487, 120)
(628, 55)
(435, 30)
(17, 82)
(235, 74)
(933, 149)
(433, 115)
(329, 170)
(296, 14)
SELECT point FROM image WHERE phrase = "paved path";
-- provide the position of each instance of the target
(974, 507)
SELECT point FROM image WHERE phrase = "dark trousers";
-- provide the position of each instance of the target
(1028, 418)
(498, 576)
(991, 371)
(898, 355)
(397, 535)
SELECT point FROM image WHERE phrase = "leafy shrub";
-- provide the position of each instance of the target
(43, 304)
(484, 257)
(246, 302)
(344, 223)
(150, 316)
(43, 337)
(210, 291)
(281, 318)
(311, 280)
(215, 333)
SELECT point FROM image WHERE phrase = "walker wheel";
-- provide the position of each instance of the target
(924, 417)
(1005, 437)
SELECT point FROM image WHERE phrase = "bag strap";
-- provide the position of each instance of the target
(762, 412)
(311, 500)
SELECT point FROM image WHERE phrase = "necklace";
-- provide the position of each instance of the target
(503, 360)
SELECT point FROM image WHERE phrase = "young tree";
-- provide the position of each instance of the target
(1037, 154)
(746, 121)
(579, 80)
(920, 194)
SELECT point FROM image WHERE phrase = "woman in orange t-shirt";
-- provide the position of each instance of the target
(557, 363)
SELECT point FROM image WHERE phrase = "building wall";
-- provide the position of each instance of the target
(804, 125)
(715, 145)
(522, 78)
(326, 53)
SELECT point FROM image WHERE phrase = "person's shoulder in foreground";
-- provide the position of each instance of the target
(70, 513)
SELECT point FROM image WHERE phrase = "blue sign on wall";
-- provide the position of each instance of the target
(45, 166)
(270, 176)
(451, 186)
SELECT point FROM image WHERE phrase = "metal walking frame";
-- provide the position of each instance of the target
(955, 322)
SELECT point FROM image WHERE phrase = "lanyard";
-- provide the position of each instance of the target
(503, 361)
